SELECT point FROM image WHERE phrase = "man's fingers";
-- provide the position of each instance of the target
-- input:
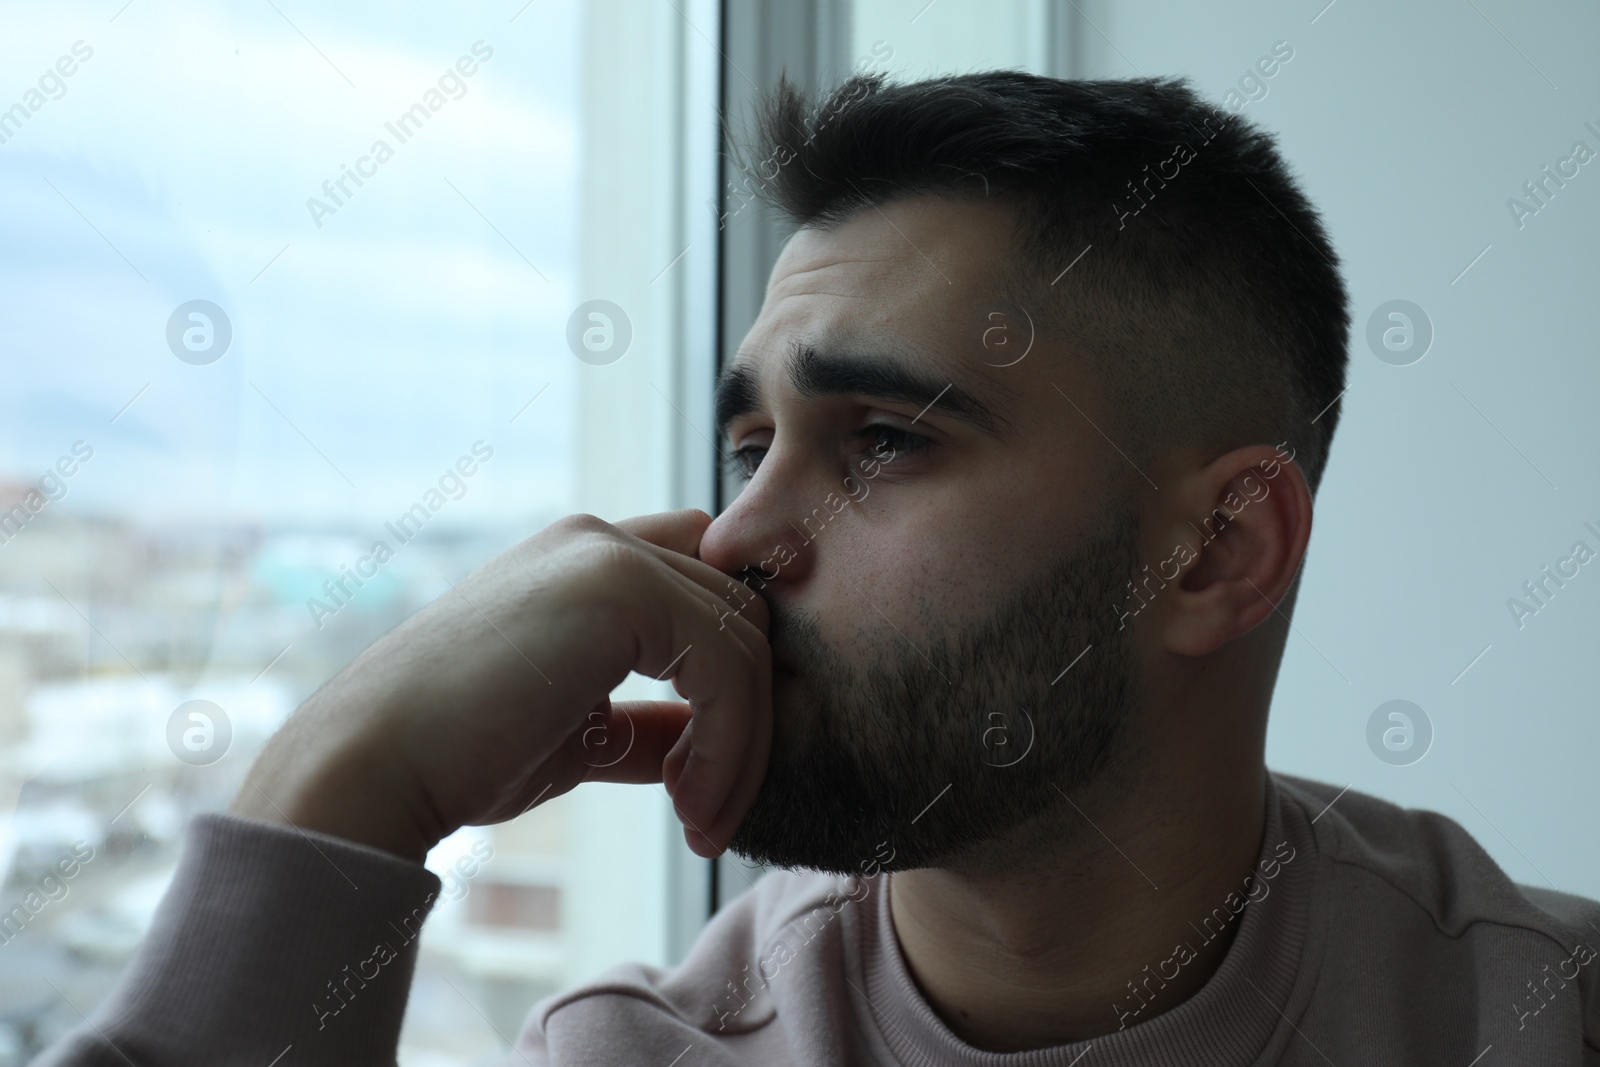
(630, 743)
(747, 626)
(742, 601)
(678, 531)
(727, 681)
(674, 538)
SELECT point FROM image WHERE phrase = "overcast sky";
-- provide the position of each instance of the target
(376, 348)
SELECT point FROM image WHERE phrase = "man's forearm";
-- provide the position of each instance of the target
(270, 938)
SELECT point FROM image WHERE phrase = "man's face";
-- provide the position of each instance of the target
(930, 518)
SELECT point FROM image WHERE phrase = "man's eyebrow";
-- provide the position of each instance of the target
(736, 395)
(816, 373)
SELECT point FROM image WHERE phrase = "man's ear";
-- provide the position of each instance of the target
(1249, 523)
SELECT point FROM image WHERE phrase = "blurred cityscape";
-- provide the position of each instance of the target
(106, 628)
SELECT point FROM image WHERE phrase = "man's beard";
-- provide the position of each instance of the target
(866, 746)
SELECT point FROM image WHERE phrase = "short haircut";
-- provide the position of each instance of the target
(1209, 302)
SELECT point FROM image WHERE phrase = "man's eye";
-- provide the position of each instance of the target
(743, 461)
(881, 442)
(884, 442)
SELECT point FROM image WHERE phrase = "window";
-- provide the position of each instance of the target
(286, 307)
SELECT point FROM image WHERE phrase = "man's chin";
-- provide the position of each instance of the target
(794, 824)
(794, 709)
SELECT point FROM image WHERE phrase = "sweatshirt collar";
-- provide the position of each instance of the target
(1257, 988)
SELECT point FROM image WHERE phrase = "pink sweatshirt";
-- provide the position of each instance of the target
(1368, 934)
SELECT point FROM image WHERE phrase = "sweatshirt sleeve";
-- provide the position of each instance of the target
(270, 939)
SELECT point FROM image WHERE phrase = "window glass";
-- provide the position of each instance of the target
(285, 295)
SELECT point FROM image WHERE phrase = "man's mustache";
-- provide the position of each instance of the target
(793, 636)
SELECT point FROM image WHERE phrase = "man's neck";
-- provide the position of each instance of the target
(1054, 947)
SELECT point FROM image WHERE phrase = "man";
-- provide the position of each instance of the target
(1031, 420)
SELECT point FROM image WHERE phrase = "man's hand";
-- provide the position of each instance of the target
(496, 695)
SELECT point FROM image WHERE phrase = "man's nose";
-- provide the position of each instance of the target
(755, 537)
